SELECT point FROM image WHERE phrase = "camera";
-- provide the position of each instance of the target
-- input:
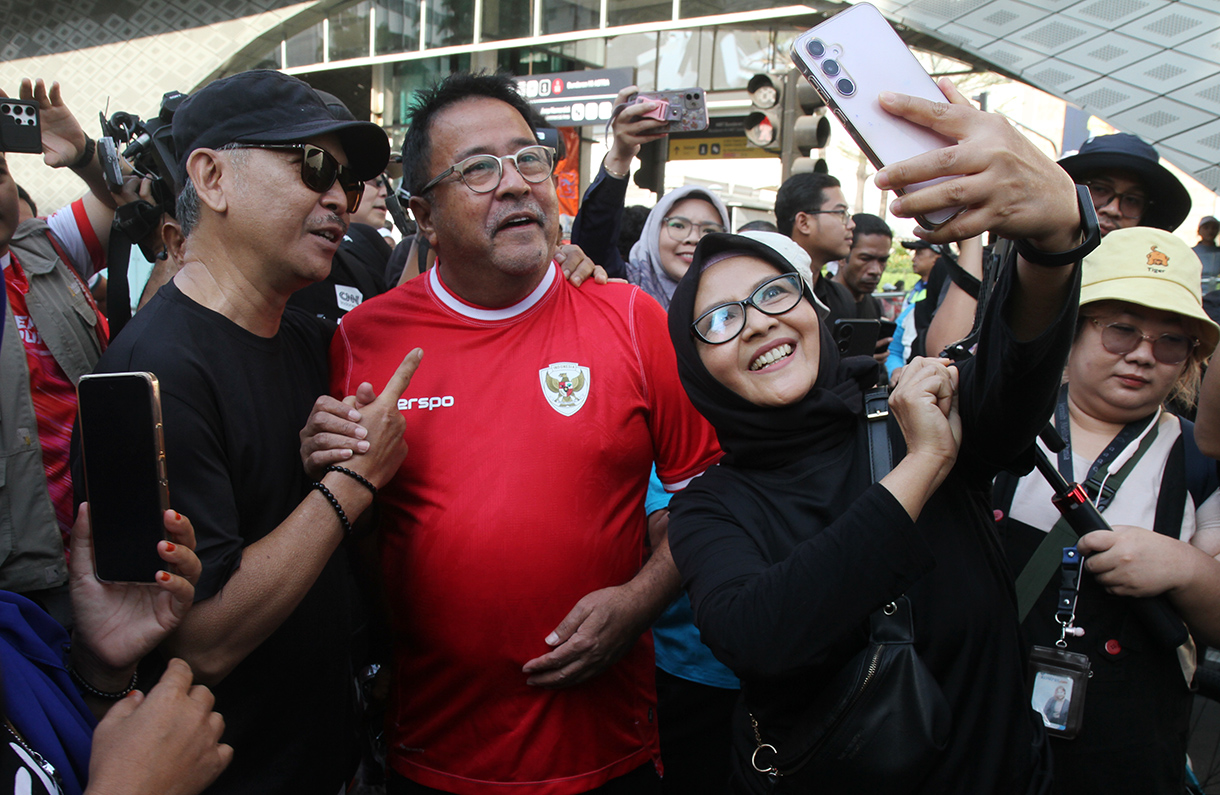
(149, 148)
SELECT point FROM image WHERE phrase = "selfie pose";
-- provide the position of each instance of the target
(788, 547)
(1141, 337)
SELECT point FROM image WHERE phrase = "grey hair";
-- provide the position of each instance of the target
(187, 208)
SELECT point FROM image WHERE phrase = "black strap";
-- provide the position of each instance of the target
(1093, 483)
(877, 413)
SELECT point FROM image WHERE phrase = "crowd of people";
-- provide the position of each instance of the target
(481, 512)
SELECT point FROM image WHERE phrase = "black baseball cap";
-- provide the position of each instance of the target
(264, 106)
(1169, 201)
(915, 245)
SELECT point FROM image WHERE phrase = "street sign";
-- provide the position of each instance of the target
(722, 139)
(575, 99)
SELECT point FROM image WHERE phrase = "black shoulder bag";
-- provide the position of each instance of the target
(879, 725)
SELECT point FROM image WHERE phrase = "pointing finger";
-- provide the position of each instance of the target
(402, 376)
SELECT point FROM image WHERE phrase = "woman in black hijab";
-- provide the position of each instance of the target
(787, 547)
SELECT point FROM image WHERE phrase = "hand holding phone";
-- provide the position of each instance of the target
(683, 110)
(123, 451)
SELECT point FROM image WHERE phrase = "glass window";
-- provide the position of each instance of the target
(638, 50)
(678, 57)
(703, 8)
(397, 26)
(564, 16)
(739, 55)
(450, 23)
(305, 48)
(349, 32)
(641, 11)
(507, 19)
(405, 77)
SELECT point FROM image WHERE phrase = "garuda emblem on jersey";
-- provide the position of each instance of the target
(565, 385)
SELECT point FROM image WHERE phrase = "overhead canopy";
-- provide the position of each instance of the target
(1149, 67)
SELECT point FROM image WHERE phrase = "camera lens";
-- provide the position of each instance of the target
(5, 108)
(846, 87)
(830, 67)
(816, 48)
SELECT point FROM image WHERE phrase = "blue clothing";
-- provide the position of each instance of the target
(40, 698)
(904, 335)
(678, 648)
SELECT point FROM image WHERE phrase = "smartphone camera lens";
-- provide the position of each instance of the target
(816, 48)
(831, 68)
(846, 87)
(5, 108)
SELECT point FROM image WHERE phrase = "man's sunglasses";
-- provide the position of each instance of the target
(319, 170)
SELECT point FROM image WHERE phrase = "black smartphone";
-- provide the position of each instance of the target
(887, 329)
(20, 130)
(123, 455)
(857, 336)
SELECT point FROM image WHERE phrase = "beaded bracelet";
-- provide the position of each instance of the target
(91, 690)
(361, 479)
(347, 526)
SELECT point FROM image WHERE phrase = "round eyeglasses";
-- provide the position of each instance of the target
(1122, 338)
(722, 323)
(482, 173)
(319, 170)
(678, 228)
(1130, 205)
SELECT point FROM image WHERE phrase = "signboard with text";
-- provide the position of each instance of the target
(724, 138)
(575, 99)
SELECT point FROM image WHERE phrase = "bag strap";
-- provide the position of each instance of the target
(877, 414)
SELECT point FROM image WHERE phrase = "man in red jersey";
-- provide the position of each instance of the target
(514, 536)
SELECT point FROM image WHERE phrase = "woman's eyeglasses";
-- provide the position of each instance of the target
(678, 228)
(722, 323)
(1122, 338)
(319, 170)
(482, 173)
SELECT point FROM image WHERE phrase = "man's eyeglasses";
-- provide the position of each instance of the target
(722, 323)
(1122, 338)
(319, 170)
(678, 228)
(482, 173)
(842, 213)
(1130, 205)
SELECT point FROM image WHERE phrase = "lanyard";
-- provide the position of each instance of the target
(1098, 472)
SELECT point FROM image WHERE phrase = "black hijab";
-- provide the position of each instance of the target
(760, 437)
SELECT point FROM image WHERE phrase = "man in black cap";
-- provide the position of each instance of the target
(271, 177)
(1128, 184)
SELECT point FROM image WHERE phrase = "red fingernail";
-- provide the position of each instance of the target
(163, 576)
(177, 516)
(169, 546)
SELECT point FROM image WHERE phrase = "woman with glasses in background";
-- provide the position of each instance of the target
(1141, 338)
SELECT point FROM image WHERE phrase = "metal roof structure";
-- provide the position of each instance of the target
(1149, 67)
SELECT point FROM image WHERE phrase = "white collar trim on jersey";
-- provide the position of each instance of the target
(5, 260)
(478, 313)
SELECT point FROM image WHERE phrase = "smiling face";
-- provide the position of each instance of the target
(1121, 388)
(676, 254)
(774, 360)
(494, 247)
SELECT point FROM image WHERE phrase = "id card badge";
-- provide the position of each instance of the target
(1058, 679)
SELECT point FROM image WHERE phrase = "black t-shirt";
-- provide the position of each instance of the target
(785, 565)
(836, 297)
(233, 404)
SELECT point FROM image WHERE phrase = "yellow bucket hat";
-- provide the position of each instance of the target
(1152, 268)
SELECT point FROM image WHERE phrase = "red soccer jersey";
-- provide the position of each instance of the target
(531, 432)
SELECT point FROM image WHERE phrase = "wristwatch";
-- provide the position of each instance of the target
(1092, 238)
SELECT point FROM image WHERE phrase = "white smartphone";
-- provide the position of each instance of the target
(850, 59)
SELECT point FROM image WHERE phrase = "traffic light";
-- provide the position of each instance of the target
(651, 173)
(808, 128)
(766, 121)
